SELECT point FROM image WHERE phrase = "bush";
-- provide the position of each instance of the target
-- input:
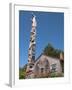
(22, 73)
(56, 74)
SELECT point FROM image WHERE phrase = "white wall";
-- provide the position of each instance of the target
(4, 43)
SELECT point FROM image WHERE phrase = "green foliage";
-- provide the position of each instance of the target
(49, 50)
(22, 72)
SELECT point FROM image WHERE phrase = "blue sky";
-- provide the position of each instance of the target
(50, 29)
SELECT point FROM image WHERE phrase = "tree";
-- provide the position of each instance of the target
(49, 50)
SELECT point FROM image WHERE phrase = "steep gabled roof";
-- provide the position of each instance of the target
(46, 56)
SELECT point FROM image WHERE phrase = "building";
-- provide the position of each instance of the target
(44, 65)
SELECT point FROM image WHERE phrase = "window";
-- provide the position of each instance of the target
(42, 69)
(53, 69)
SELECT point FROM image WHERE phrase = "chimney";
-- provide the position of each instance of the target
(61, 56)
